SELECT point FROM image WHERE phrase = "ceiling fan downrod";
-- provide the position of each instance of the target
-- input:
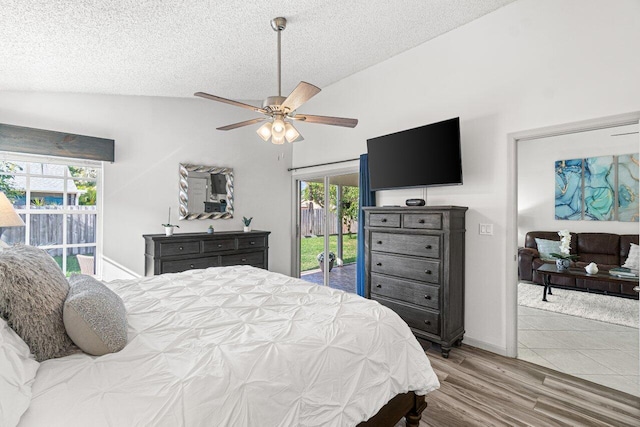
(278, 25)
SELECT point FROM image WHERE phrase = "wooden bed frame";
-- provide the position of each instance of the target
(407, 405)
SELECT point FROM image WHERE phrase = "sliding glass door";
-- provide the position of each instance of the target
(327, 229)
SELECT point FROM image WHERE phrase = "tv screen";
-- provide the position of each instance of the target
(424, 156)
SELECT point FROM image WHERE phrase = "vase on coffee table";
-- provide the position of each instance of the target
(562, 264)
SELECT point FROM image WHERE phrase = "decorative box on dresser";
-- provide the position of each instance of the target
(414, 260)
(188, 251)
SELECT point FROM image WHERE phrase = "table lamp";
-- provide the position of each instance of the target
(8, 216)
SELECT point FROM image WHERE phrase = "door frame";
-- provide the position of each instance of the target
(511, 295)
(295, 224)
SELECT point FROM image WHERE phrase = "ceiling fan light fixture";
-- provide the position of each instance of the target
(278, 127)
(264, 131)
(277, 139)
(290, 133)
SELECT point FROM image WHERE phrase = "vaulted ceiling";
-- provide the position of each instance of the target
(175, 48)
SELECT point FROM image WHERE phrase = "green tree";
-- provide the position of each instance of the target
(314, 192)
(6, 181)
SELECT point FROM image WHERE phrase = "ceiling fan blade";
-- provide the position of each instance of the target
(301, 94)
(240, 124)
(230, 101)
(326, 120)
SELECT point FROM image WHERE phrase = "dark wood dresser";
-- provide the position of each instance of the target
(187, 251)
(414, 259)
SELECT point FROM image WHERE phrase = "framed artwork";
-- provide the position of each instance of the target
(603, 188)
(599, 188)
(569, 189)
(627, 199)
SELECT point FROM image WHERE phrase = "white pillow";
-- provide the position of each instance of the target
(547, 247)
(633, 260)
(17, 373)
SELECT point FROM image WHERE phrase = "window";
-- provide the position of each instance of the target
(58, 199)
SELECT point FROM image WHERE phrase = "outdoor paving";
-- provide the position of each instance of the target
(343, 278)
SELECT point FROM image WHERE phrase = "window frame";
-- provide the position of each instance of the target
(65, 211)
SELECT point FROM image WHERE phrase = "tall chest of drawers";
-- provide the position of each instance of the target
(414, 260)
(188, 251)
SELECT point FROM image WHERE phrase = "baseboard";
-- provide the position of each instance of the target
(112, 270)
(502, 351)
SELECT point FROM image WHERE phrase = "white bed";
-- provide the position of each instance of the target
(236, 346)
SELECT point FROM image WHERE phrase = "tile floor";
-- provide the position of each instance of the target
(600, 352)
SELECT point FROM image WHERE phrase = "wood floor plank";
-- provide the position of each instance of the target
(479, 388)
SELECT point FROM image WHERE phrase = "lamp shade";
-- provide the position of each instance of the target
(8, 215)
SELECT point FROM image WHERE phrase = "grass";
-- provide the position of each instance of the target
(72, 264)
(310, 247)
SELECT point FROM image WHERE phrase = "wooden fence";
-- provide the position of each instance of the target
(312, 223)
(46, 230)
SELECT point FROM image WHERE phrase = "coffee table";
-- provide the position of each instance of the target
(549, 270)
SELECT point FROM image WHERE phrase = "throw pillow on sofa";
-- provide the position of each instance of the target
(547, 247)
(633, 260)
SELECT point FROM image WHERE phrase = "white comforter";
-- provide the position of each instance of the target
(236, 346)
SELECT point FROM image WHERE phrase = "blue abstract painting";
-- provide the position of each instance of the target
(599, 188)
(568, 189)
(628, 187)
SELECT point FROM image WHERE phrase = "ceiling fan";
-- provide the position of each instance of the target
(279, 110)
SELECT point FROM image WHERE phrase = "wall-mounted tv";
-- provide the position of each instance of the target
(424, 156)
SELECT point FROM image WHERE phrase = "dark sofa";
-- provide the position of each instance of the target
(605, 249)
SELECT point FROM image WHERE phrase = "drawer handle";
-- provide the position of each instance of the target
(378, 286)
(243, 260)
(421, 221)
(180, 248)
(379, 242)
(427, 322)
(428, 247)
(379, 264)
(427, 296)
(219, 245)
(384, 220)
(427, 271)
(252, 243)
(191, 266)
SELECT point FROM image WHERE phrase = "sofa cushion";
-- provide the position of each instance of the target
(625, 245)
(633, 258)
(601, 248)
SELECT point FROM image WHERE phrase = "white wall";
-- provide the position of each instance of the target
(536, 177)
(152, 136)
(531, 64)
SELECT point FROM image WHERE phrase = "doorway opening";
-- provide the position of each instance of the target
(327, 224)
(557, 333)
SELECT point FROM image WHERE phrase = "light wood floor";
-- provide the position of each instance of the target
(480, 388)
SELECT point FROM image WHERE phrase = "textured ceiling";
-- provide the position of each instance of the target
(177, 47)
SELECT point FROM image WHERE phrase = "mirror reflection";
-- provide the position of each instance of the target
(206, 192)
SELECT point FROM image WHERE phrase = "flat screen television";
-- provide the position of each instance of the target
(424, 156)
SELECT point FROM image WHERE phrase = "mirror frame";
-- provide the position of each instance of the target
(183, 209)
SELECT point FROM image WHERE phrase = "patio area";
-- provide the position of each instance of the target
(343, 278)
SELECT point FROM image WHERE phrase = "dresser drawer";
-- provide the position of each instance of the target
(384, 220)
(407, 244)
(188, 264)
(184, 248)
(218, 245)
(404, 290)
(411, 268)
(255, 259)
(432, 221)
(251, 242)
(424, 320)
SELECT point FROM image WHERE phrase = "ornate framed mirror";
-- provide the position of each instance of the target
(206, 192)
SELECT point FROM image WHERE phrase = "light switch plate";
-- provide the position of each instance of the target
(486, 229)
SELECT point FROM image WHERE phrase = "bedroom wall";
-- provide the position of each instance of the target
(152, 135)
(536, 177)
(530, 64)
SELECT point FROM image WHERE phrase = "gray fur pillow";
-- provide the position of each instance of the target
(94, 316)
(32, 294)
